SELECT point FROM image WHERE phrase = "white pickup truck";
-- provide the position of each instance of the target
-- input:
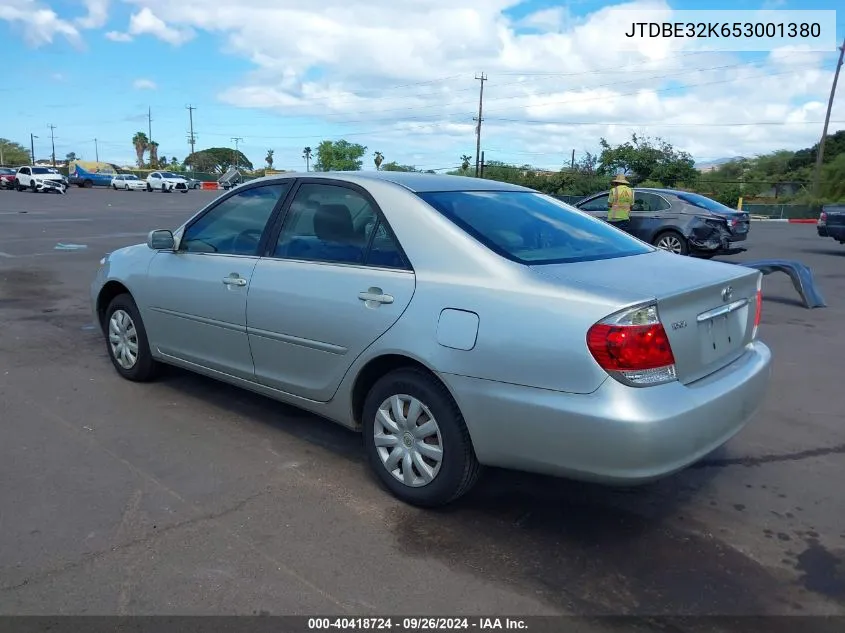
(40, 179)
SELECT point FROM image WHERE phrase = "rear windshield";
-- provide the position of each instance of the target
(532, 228)
(704, 202)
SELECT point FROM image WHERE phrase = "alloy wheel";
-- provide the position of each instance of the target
(671, 243)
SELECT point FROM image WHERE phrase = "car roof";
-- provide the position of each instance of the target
(413, 181)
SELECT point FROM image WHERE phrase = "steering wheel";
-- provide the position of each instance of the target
(249, 239)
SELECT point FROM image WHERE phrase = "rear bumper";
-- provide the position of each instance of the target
(836, 231)
(617, 434)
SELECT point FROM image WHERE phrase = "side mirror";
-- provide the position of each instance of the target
(161, 240)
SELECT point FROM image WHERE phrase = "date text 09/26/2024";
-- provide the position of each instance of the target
(416, 624)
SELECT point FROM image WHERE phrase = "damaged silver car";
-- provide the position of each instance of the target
(679, 221)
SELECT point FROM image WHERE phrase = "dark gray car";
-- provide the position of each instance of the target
(679, 221)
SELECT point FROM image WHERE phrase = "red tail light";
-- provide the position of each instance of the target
(634, 347)
(758, 308)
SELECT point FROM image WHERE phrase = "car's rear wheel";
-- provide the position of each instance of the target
(416, 439)
(126, 340)
(673, 242)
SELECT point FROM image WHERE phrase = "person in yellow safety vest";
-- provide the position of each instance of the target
(619, 203)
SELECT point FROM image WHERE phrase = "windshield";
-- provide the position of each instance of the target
(6, 170)
(167, 174)
(130, 177)
(43, 170)
(532, 228)
(704, 202)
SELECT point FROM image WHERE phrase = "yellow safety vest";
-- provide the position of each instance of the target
(620, 201)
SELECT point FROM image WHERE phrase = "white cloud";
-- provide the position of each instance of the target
(40, 24)
(98, 14)
(145, 22)
(399, 75)
(144, 84)
(117, 36)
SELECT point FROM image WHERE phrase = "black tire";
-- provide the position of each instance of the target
(88, 184)
(673, 235)
(32, 186)
(18, 185)
(114, 187)
(146, 368)
(148, 187)
(459, 469)
(163, 188)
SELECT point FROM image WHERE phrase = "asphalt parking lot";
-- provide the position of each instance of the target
(186, 496)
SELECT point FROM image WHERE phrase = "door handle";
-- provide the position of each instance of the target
(234, 280)
(375, 295)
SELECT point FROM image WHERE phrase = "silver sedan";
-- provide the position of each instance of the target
(455, 322)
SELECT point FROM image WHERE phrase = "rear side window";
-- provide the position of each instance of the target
(702, 202)
(532, 228)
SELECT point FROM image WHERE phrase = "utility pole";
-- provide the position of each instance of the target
(236, 139)
(53, 142)
(572, 162)
(150, 125)
(820, 156)
(482, 79)
(481, 171)
(96, 151)
(191, 138)
(32, 138)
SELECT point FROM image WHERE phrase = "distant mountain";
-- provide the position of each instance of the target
(716, 162)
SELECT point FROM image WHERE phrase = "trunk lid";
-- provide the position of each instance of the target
(707, 308)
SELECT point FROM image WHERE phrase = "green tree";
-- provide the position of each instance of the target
(643, 158)
(339, 156)
(153, 149)
(174, 164)
(218, 160)
(465, 161)
(162, 161)
(306, 154)
(13, 153)
(269, 158)
(70, 156)
(394, 166)
(141, 143)
(378, 160)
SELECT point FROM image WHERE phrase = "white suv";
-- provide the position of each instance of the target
(166, 182)
(40, 179)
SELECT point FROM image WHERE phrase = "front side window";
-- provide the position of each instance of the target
(532, 228)
(596, 204)
(330, 223)
(234, 226)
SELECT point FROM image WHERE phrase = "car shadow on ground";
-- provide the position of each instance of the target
(580, 548)
(825, 251)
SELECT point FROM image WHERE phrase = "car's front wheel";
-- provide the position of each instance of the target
(148, 187)
(126, 340)
(18, 185)
(114, 187)
(673, 242)
(416, 439)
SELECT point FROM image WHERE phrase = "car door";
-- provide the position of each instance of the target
(333, 281)
(154, 180)
(650, 215)
(197, 294)
(24, 176)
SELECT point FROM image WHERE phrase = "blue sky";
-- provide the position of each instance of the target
(393, 76)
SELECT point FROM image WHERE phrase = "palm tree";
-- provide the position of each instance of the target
(306, 154)
(70, 156)
(465, 160)
(379, 159)
(269, 159)
(141, 143)
(153, 154)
